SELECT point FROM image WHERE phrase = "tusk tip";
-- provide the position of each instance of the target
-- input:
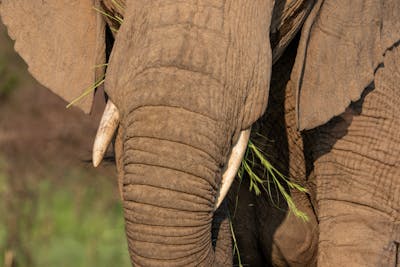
(96, 163)
(96, 159)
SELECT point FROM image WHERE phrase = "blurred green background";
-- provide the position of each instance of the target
(55, 208)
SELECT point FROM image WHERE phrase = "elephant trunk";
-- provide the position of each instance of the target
(172, 170)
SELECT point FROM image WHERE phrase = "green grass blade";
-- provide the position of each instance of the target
(273, 177)
(86, 92)
(235, 246)
(118, 5)
(100, 66)
(117, 19)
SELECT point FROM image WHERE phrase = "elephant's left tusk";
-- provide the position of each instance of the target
(233, 165)
(108, 124)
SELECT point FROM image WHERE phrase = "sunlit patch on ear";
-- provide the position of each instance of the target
(111, 12)
(60, 45)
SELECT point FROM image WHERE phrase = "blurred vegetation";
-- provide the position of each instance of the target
(8, 79)
(73, 220)
(50, 215)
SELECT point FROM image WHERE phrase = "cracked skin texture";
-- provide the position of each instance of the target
(189, 75)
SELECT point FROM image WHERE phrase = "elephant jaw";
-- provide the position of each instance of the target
(109, 123)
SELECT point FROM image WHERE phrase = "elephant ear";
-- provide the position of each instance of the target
(61, 41)
(342, 44)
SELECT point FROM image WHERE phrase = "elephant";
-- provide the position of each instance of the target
(186, 81)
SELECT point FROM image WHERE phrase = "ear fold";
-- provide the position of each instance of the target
(62, 41)
(342, 44)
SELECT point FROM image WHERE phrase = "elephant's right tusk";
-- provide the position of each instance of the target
(108, 124)
(233, 165)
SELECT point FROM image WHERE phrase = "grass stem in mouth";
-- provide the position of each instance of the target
(271, 175)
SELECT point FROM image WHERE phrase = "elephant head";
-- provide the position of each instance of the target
(185, 81)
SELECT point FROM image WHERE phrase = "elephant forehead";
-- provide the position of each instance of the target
(230, 45)
(173, 87)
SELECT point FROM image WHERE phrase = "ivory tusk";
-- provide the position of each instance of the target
(235, 159)
(108, 124)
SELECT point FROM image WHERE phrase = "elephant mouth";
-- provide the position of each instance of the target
(109, 123)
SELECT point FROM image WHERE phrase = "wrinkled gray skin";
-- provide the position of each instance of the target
(188, 76)
(350, 167)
